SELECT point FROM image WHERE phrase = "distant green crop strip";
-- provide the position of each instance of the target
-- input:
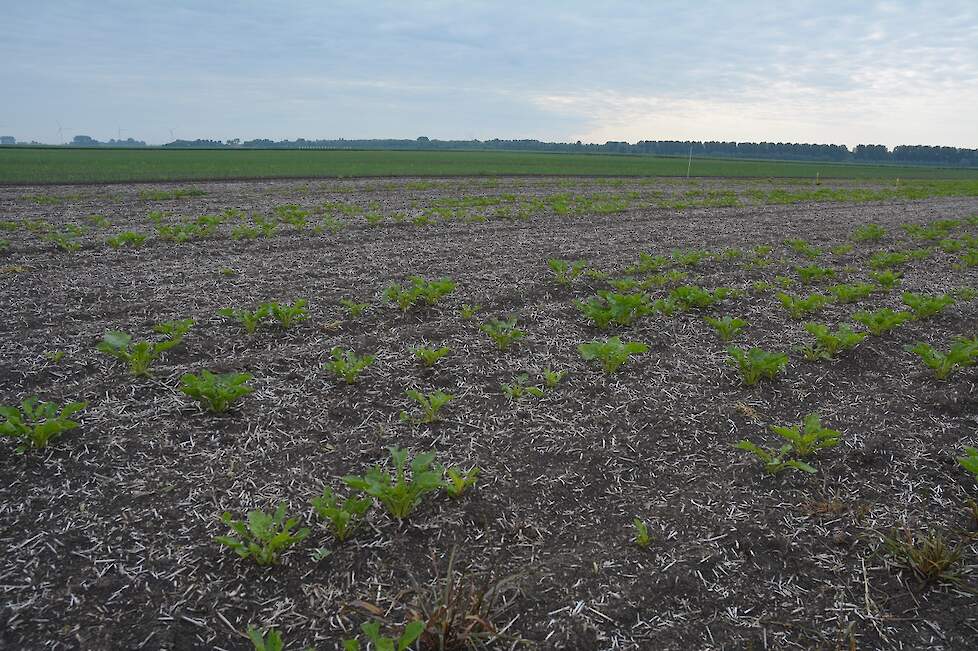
(62, 165)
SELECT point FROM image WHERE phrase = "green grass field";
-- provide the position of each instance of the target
(50, 165)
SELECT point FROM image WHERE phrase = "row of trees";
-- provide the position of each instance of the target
(950, 156)
(88, 141)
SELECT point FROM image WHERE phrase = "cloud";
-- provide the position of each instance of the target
(889, 72)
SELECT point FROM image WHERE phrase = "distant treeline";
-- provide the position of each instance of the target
(949, 156)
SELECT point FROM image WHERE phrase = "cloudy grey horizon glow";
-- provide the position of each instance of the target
(827, 72)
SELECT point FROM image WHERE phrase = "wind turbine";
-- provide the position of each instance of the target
(61, 135)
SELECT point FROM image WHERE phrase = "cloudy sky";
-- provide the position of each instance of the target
(813, 71)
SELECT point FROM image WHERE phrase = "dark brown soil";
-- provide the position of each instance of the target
(107, 535)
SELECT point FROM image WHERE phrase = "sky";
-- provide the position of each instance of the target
(820, 71)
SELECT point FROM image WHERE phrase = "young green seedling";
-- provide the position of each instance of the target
(344, 517)
(397, 492)
(648, 263)
(249, 319)
(430, 356)
(624, 284)
(460, 481)
(139, 355)
(620, 309)
(292, 214)
(887, 279)
(666, 306)
(970, 461)
(552, 378)
(288, 314)
(881, 321)
(420, 290)
(66, 240)
(757, 363)
(809, 437)
(688, 257)
(801, 307)
(346, 364)
(611, 353)
(852, 292)
(828, 342)
(380, 642)
(503, 332)
(352, 308)
(468, 312)
(641, 537)
(692, 296)
(174, 330)
(774, 461)
(963, 352)
(430, 404)
(802, 247)
(888, 259)
(565, 271)
(519, 388)
(263, 537)
(127, 238)
(270, 641)
(245, 232)
(216, 392)
(924, 306)
(868, 233)
(814, 273)
(727, 327)
(36, 423)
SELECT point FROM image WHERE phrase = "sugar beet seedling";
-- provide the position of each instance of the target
(828, 342)
(565, 271)
(774, 461)
(430, 356)
(503, 332)
(801, 307)
(726, 327)
(924, 306)
(963, 352)
(641, 536)
(344, 517)
(412, 631)
(460, 481)
(431, 405)
(611, 353)
(612, 308)
(520, 388)
(420, 290)
(249, 319)
(756, 363)
(35, 423)
(216, 392)
(881, 321)
(139, 355)
(809, 437)
(397, 492)
(288, 314)
(347, 365)
(262, 537)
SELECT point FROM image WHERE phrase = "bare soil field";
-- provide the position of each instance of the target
(108, 533)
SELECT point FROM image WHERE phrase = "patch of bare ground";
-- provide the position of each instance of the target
(107, 535)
